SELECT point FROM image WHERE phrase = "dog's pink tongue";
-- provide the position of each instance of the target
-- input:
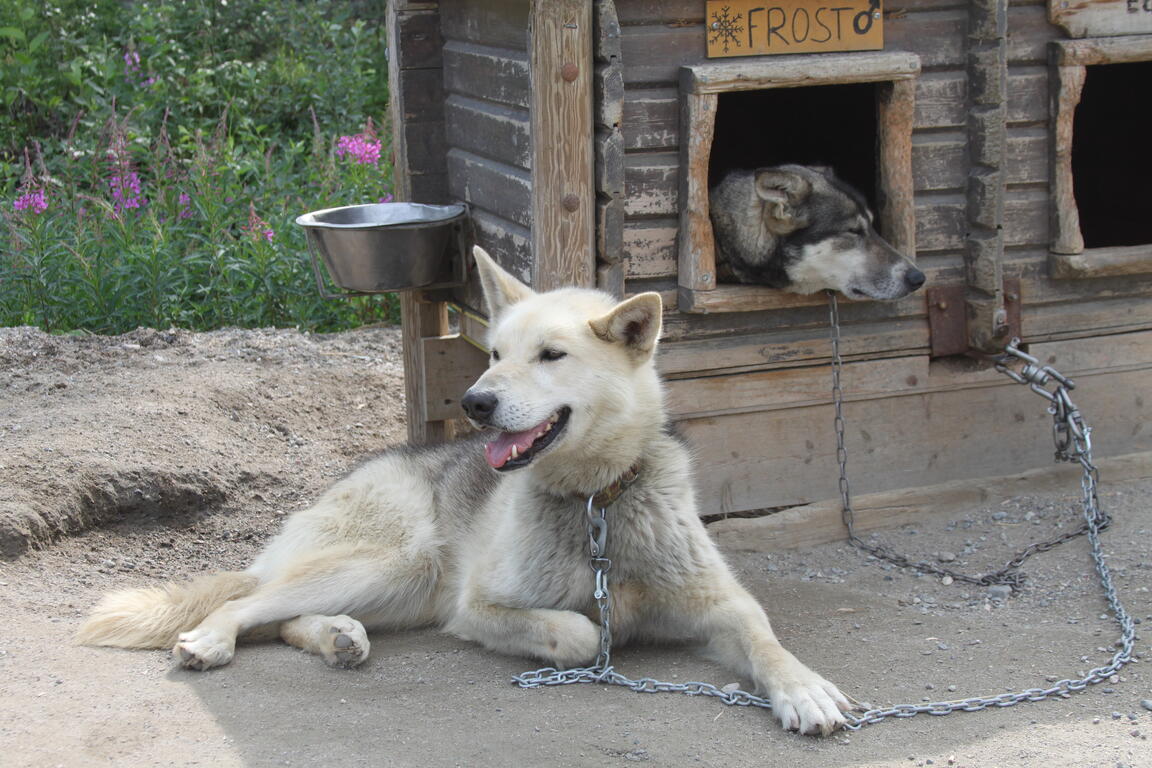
(499, 451)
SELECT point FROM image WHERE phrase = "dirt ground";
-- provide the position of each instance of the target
(141, 458)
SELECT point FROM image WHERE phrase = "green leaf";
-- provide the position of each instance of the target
(38, 41)
(13, 33)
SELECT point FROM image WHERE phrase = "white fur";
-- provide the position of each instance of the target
(437, 537)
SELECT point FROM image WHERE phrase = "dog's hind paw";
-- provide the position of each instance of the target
(346, 645)
(203, 649)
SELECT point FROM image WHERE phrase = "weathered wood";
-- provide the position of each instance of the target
(497, 23)
(491, 130)
(420, 319)
(939, 160)
(1067, 87)
(821, 523)
(651, 118)
(563, 200)
(697, 259)
(610, 278)
(941, 99)
(828, 69)
(1103, 262)
(777, 349)
(649, 247)
(607, 32)
(1079, 319)
(610, 230)
(451, 366)
(987, 71)
(498, 74)
(609, 153)
(509, 243)
(418, 143)
(957, 434)
(1097, 18)
(652, 180)
(609, 90)
(1108, 50)
(502, 189)
(731, 297)
(896, 109)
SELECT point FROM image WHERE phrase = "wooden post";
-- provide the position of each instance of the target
(696, 269)
(563, 194)
(421, 319)
(1066, 91)
(987, 139)
(896, 114)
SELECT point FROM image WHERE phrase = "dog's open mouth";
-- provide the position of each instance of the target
(512, 450)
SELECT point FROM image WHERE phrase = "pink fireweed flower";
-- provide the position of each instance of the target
(256, 226)
(35, 200)
(364, 148)
(386, 199)
(126, 189)
(185, 201)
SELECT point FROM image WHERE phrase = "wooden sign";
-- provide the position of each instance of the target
(768, 27)
(1104, 18)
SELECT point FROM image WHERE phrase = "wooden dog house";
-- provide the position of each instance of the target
(1002, 145)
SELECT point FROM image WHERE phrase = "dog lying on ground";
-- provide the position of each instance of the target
(487, 537)
(803, 230)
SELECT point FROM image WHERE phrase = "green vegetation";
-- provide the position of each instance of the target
(153, 156)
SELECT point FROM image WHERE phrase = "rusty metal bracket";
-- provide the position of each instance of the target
(948, 317)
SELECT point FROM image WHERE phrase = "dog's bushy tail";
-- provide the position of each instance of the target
(153, 617)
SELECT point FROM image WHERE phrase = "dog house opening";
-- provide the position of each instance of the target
(851, 112)
(1112, 156)
(828, 125)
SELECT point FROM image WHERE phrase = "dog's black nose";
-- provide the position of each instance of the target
(479, 405)
(914, 278)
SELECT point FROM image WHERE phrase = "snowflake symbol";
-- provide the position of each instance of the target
(725, 28)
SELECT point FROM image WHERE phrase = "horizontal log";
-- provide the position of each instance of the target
(1103, 262)
(502, 189)
(496, 131)
(798, 71)
(497, 23)
(494, 74)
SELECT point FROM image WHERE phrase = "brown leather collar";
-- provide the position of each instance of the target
(608, 495)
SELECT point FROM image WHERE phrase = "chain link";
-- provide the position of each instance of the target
(1073, 443)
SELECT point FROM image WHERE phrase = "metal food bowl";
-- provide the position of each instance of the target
(387, 246)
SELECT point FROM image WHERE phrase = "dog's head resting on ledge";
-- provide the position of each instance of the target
(801, 229)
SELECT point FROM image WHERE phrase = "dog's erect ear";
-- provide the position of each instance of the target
(501, 290)
(635, 323)
(782, 191)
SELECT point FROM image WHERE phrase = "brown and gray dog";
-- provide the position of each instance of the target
(800, 229)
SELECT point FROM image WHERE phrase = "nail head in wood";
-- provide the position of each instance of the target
(571, 203)
(569, 72)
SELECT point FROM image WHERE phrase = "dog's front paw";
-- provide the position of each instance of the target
(572, 639)
(203, 649)
(805, 702)
(346, 644)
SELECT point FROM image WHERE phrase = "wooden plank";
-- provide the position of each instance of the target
(610, 279)
(420, 319)
(649, 247)
(508, 243)
(497, 23)
(940, 160)
(896, 111)
(1085, 318)
(609, 95)
(820, 523)
(732, 297)
(696, 263)
(563, 209)
(799, 71)
(764, 350)
(941, 97)
(421, 94)
(1098, 18)
(495, 74)
(1103, 262)
(451, 366)
(419, 34)
(941, 224)
(1106, 50)
(607, 32)
(502, 189)
(609, 153)
(1067, 88)
(427, 188)
(652, 181)
(899, 442)
(651, 118)
(495, 131)
(416, 113)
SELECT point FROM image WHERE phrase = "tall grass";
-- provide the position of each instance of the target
(154, 156)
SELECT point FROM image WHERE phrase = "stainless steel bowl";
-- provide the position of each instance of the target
(385, 246)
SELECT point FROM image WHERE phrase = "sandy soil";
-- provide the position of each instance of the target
(156, 455)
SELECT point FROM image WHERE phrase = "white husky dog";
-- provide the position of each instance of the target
(488, 539)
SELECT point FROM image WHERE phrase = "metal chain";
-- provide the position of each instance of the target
(1073, 443)
(1067, 423)
(602, 670)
